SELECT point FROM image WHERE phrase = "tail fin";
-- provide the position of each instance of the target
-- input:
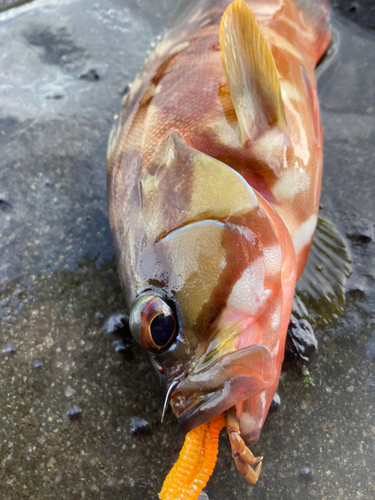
(318, 14)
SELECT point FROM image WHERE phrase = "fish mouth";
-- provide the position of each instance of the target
(213, 387)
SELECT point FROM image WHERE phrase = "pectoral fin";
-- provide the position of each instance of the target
(251, 73)
(185, 186)
(320, 291)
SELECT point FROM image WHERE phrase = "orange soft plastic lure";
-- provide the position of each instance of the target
(195, 464)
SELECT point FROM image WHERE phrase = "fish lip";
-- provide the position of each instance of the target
(200, 413)
(198, 397)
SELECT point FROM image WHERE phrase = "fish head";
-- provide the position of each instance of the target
(205, 280)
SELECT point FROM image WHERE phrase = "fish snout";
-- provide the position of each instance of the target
(210, 390)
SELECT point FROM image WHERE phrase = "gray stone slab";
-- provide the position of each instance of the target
(63, 67)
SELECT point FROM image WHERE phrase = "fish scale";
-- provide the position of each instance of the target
(214, 174)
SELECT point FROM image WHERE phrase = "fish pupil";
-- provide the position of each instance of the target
(162, 328)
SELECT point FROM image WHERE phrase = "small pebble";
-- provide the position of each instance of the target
(93, 74)
(356, 290)
(98, 318)
(301, 340)
(305, 473)
(354, 6)
(37, 363)
(4, 204)
(9, 348)
(74, 411)
(276, 402)
(138, 426)
(116, 323)
(361, 232)
(370, 382)
(203, 496)
(125, 90)
(119, 346)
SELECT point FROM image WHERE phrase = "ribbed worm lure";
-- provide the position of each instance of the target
(196, 462)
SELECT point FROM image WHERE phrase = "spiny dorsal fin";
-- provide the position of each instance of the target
(251, 73)
(320, 291)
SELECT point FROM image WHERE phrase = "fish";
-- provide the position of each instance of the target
(214, 179)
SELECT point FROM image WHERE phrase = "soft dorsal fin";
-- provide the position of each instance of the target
(251, 73)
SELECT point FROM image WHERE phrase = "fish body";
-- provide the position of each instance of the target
(214, 175)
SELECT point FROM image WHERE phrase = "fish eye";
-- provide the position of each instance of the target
(152, 323)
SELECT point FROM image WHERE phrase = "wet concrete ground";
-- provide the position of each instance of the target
(63, 67)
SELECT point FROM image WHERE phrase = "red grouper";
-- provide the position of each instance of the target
(214, 175)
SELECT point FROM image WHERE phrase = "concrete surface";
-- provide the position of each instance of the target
(63, 67)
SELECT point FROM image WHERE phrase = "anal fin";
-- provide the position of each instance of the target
(320, 291)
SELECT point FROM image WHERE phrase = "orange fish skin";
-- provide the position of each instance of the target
(218, 227)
